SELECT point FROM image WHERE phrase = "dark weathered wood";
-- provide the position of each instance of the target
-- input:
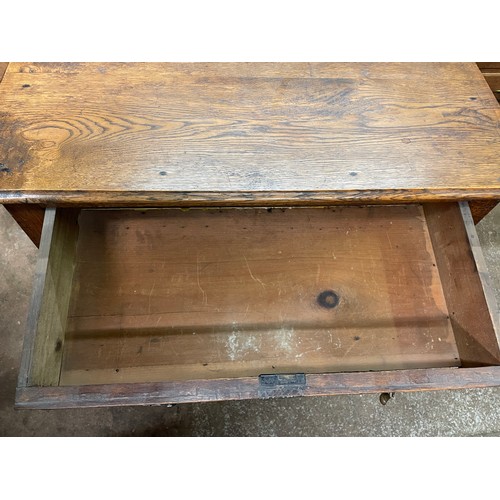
(42, 351)
(240, 199)
(481, 208)
(491, 73)
(172, 294)
(487, 66)
(493, 80)
(463, 275)
(164, 134)
(248, 388)
(29, 218)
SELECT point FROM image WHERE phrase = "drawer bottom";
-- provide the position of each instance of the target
(170, 305)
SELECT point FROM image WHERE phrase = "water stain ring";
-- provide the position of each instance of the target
(328, 299)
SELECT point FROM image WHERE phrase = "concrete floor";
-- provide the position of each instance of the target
(443, 413)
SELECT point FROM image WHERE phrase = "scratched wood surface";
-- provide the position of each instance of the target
(177, 295)
(287, 133)
(191, 391)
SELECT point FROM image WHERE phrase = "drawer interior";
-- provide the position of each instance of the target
(143, 296)
(170, 294)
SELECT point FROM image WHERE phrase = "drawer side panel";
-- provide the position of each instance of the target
(42, 355)
(472, 307)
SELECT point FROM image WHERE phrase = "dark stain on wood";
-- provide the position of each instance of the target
(328, 299)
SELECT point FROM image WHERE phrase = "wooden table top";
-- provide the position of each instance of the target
(247, 133)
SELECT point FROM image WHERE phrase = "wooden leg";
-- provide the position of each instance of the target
(481, 208)
(30, 218)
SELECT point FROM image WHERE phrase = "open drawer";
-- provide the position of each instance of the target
(140, 307)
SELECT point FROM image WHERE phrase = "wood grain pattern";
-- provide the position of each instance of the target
(42, 352)
(163, 134)
(171, 294)
(29, 217)
(462, 272)
(195, 391)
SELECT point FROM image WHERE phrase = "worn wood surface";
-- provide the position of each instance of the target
(287, 133)
(30, 219)
(34, 311)
(248, 388)
(462, 271)
(172, 294)
(42, 352)
(491, 72)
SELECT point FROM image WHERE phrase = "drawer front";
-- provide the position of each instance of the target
(168, 306)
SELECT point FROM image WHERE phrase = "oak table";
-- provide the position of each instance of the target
(251, 230)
